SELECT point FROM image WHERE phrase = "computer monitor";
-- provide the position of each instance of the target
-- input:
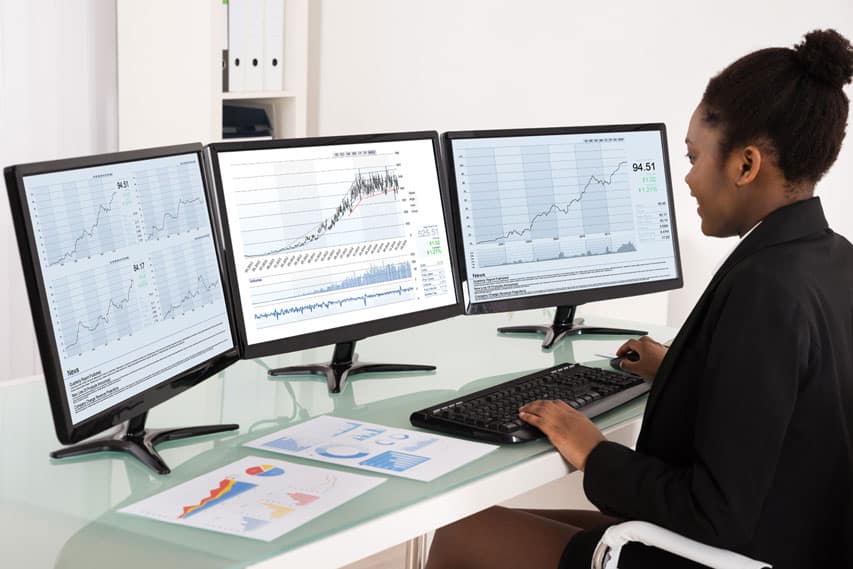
(330, 240)
(560, 217)
(124, 278)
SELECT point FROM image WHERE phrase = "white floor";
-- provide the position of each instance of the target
(564, 493)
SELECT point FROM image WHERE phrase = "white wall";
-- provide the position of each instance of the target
(386, 65)
(57, 99)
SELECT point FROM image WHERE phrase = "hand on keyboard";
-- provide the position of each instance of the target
(491, 414)
(573, 435)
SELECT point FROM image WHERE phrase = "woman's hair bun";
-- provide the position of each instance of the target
(827, 56)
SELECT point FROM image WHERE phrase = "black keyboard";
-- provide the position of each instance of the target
(491, 414)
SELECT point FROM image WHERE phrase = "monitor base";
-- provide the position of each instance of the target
(344, 364)
(565, 324)
(135, 439)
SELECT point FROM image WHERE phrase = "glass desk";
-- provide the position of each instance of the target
(63, 513)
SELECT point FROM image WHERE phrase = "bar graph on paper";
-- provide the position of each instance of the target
(254, 497)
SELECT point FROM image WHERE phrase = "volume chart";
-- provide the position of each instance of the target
(329, 291)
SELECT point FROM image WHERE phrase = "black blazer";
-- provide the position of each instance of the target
(747, 438)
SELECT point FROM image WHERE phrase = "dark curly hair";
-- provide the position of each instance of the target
(789, 99)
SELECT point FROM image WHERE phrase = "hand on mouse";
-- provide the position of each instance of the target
(650, 354)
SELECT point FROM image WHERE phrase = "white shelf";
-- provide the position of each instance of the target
(237, 95)
(170, 91)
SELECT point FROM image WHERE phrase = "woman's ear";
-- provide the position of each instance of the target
(749, 164)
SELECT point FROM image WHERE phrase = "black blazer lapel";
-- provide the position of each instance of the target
(789, 223)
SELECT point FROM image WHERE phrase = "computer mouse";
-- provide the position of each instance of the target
(630, 355)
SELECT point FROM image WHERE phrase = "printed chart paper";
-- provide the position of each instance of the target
(398, 452)
(258, 498)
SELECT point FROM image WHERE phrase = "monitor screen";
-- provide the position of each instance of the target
(124, 279)
(335, 239)
(561, 216)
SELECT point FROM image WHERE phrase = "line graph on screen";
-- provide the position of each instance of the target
(326, 202)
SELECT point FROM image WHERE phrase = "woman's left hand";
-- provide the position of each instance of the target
(569, 431)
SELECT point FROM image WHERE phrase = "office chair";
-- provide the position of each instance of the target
(609, 547)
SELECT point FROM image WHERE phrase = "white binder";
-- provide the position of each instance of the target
(273, 62)
(237, 44)
(254, 34)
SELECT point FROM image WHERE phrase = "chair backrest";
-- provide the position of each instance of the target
(609, 548)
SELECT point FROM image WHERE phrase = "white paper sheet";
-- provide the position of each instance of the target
(258, 498)
(368, 446)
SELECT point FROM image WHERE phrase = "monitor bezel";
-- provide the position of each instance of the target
(66, 431)
(351, 332)
(568, 298)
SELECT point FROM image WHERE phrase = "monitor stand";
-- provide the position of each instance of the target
(344, 365)
(133, 438)
(565, 324)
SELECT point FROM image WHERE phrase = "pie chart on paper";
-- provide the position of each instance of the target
(265, 470)
(341, 451)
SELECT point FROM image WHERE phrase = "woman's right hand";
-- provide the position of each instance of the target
(651, 355)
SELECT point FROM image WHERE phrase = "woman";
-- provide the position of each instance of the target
(747, 438)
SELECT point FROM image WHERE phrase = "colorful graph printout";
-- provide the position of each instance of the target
(367, 446)
(265, 470)
(227, 488)
(258, 498)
